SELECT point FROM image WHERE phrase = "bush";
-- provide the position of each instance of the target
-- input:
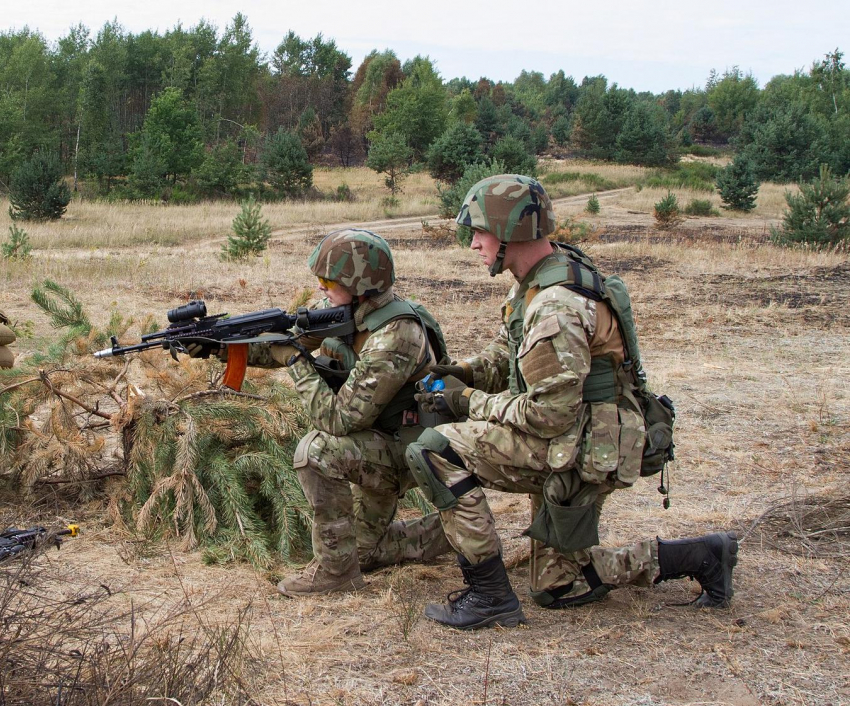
(701, 207)
(344, 193)
(696, 176)
(737, 185)
(454, 151)
(250, 233)
(515, 156)
(285, 164)
(37, 191)
(667, 211)
(18, 246)
(592, 205)
(819, 214)
(221, 171)
(595, 181)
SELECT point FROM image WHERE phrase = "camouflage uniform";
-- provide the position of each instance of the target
(7, 337)
(351, 466)
(529, 430)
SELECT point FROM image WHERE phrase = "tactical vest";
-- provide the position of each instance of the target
(609, 380)
(390, 419)
(606, 381)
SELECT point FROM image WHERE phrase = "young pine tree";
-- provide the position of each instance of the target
(737, 185)
(250, 233)
(819, 214)
(37, 191)
(17, 247)
(667, 211)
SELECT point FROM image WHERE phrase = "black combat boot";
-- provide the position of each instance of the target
(708, 559)
(489, 600)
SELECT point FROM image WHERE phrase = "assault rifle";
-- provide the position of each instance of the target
(190, 324)
(14, 541)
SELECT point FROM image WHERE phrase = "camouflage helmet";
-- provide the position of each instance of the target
(512, 207)
(358, 260)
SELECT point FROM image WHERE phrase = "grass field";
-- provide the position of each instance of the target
(750, 341)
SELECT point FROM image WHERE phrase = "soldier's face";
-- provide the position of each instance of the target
(486, 245)
(336, 295)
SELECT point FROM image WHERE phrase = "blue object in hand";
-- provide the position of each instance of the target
(433, 385)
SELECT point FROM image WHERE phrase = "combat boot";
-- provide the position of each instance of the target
(314, 580)
(709, 560)
(488, 600)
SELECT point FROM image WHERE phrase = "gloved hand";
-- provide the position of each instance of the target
(285, 353)
(452, 401)
(446, 367)
(204, 349)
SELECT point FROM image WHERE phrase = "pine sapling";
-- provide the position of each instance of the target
(250, 233)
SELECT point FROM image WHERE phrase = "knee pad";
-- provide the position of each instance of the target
(433, 488)
(301, 457)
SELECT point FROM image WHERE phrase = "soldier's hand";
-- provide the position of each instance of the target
(202, 349)
(452, 401)
(446, 368)
(285, 354)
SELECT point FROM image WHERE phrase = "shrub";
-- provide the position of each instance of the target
(513, 153)
(250, 233)
(286, 165)
(737, 185)
(701, 207)
(17, 247)
(667, 211)
(453, 151)
(696, 176)
(592, 205)
(595, 181)
(37, 191)
(344, 193)
(819, 214)
(221, 171)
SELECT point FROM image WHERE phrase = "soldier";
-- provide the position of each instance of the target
(551, 411)
(352, 466)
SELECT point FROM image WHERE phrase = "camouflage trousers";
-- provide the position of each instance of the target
(492, 453)
(353, 484)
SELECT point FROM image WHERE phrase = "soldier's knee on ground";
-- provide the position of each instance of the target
(418, 457)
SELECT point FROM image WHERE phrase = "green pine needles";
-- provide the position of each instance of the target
(250, 233)
(17, 247)
(219, 474)
(819, 215)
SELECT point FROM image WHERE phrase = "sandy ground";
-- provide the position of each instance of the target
(750, 341)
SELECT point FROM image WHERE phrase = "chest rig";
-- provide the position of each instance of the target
(606, 380)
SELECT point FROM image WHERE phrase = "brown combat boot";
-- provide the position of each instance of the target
(314, 580)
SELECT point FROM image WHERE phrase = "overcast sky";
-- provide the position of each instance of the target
(648, 46)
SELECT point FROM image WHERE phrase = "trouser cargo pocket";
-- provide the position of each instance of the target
(568, 519)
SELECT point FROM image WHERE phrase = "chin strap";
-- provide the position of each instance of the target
(498, 263)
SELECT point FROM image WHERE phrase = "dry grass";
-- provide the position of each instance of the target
(749, 340)
(92, 224)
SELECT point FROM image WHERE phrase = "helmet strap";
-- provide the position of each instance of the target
(498, 263)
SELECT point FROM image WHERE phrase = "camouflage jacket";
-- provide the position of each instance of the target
(386, 361)
(530, 378)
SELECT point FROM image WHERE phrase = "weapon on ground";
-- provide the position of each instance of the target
(190, 324)
(14, 541)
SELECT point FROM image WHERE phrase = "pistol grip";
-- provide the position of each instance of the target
(237, 364)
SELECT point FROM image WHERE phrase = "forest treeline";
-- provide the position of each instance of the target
(199, 112)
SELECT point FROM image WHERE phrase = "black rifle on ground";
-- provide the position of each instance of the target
(15, 541)
(190, 324)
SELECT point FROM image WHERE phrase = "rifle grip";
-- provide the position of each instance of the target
(237, 364)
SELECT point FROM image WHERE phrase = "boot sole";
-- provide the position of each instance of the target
(728, 560)
(355, 584)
